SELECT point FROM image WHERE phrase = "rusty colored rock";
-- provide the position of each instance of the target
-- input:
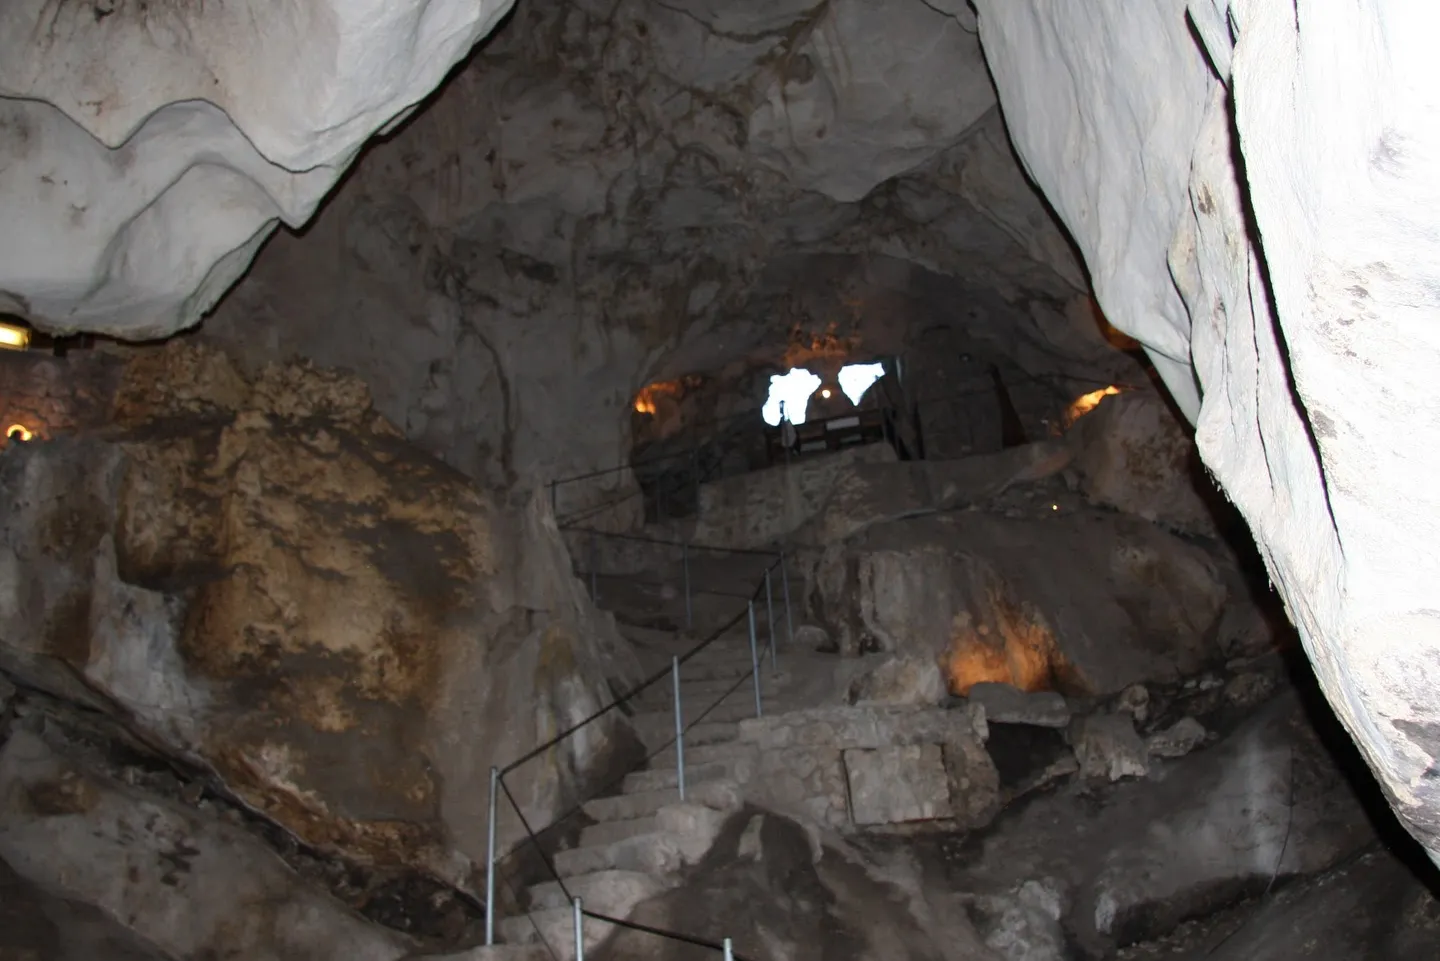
(268, 580)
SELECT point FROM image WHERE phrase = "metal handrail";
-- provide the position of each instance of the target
(763, 587)
(754, 413)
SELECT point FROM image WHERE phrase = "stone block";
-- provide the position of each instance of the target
(808, 780)
(1106, 745)
(1005, 704)
(898, 784)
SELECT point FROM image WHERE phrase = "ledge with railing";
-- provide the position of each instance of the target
(933, 426)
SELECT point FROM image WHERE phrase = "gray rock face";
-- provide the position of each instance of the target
(1255, 317)
(1177, 740)
(1369, 908)
(896, 680)
(779, 890)
(1267, 801)
(985, 594)
(188, 887)
(1132, 454)
(1107, 746)
(1005, 704)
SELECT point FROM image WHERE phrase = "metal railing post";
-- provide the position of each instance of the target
(685, 561)
(490, 861)
(594, 583)
(770, 621)
(785, 585)
(695, 474)
(679, 730)
(729, 951)
(755, 661)
(579, 931)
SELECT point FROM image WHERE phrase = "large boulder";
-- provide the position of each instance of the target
(265, 580)
(1082, 602)
(1134, 859)
(188, 886)
(1301, 299)
(1133, 454)
(779, 889)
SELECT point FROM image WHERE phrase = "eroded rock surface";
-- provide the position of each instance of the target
(139, 188)
(1294, 297)
(268, 581)
(189, 887)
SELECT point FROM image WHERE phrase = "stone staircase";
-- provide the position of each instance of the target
(644, 835)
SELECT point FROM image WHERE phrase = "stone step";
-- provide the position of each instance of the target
(653, 853)
(658, 779)
(659, 730)
(704, 754)
(736, 707)
(553, 930)
(705, 690)
(719, 793)
(731, 671)
(611, 832)
(627, 807)
(604, 892)
(534, 951)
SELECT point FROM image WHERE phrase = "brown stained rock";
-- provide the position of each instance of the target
(1082, 602)
(1134, 454)
(271, 582)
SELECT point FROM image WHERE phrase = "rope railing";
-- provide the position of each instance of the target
(761, 593)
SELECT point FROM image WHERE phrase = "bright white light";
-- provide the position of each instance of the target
(855, 379)
(792, 389)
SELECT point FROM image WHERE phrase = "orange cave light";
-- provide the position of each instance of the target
(1085, 403)
(18, 432)
(1017, 648)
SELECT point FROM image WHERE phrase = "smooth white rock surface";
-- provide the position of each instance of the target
(1321, 426)
(147, 150)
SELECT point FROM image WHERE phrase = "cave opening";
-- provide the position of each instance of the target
(660, 475)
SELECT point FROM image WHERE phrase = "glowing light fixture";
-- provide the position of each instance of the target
(825, 393)
(1085, 403)
(18, 432)
(855, 379)
(793, 390)
(13, 336)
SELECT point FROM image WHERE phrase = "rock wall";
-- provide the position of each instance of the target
(1300, 260)
(609, 195)
(265, 580)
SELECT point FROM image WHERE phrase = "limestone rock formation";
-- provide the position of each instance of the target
(1133, 455)
(1268, 801)
(266, 580)
(647, 190)
(789, 893)
(1299, 297)
(187, 886)
(137, 190)
(1127, 603)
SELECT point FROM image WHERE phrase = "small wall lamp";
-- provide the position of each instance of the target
(13, 336)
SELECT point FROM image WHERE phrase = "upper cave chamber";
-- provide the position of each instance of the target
(387, 412)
